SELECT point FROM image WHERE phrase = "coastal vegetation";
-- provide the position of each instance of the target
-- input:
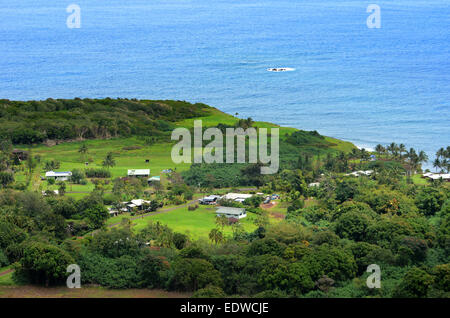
(315, 238)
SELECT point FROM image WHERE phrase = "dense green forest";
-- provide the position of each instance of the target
(62, 119)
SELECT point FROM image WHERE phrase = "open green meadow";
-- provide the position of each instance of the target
(196, 224)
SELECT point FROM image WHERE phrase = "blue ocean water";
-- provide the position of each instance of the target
(364, 85)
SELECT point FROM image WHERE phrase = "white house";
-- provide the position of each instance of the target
(360, 173)
(60, 176)
(154, 179)
(139, 173)
(437, 176)
(211, 199)
(56, 192)
(237, 213)
(138, 203)
(238, 197)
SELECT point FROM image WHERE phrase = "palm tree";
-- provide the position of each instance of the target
(412, 160)
(216, 236)
(401, 149)
(437, 164)
(446, 164)
(440, 153)
(221, 221)
(109, 161)
(83, 149)
(443, 156)
(380, 149)
(364, 154)
(423, 157)
(392, 148)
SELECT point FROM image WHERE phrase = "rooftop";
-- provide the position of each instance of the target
(58, 174)
(234, 196)
(139, 172)
(229, 210)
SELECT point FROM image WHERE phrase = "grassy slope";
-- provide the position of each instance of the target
(158, 154)
(216, 117)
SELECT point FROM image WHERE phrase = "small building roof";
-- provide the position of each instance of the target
(235, 196)
(360, 173)
(58, 174)
(155, 178)
(139, 202)
(54, 191)
(138, 172)
(229, 210)
(212, 197)
(437, 176)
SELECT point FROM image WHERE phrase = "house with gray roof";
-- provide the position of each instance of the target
(237, 213)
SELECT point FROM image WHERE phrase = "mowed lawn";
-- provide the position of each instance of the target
(196, 224)
(159, 155)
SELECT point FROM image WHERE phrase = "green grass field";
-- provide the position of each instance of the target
(196, 224)
(417, 179)
(159, 156)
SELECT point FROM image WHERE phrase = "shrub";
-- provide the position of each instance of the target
(429, 200)
(77, 176)
(6, 178)
(44, 264)
(192, 274)
(97, 173)
(192, 207)
(209, 291)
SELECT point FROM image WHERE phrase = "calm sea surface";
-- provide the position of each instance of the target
(364, 85)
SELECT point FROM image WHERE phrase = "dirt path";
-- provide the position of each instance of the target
(269, 205)
(6, 272)
(28, 291)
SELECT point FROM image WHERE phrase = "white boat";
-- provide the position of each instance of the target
(280, 69)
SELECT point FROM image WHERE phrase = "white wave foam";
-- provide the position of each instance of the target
(281, 69)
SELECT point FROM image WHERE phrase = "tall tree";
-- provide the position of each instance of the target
(401, 149)
(109, 161)
(216, 236)
(380, 149)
